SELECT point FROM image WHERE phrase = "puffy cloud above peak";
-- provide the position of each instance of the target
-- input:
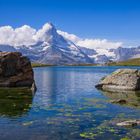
(16, 37)
(68, 36)
(27, 35)
(45, 33)
(6, 28)
(24, 35)
(91, 43)
(48, 26)
(6, 35)
(99, 43)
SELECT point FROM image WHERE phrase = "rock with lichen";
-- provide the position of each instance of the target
(122, 79)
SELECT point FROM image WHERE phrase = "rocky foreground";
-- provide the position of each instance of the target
(16, 71)
(122, 79)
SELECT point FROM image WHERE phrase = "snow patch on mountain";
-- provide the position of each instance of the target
(100, 50)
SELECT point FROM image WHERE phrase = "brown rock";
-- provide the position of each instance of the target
(15, 70)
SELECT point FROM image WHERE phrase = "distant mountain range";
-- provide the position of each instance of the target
(51, 46)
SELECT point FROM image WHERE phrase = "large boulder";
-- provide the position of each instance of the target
(122, 79)
(16, 71)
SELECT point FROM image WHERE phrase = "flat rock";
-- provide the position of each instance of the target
(122, 79)
(16, 71)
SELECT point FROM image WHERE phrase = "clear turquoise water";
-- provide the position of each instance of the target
(66, 106)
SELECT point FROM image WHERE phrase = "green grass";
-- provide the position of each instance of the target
(40, 65)
(81, 65)
(130, 62)
(48, 65)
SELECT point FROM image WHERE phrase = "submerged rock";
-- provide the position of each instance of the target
(16, 71)
(119, 101)
(129, 123)
(122, 79)
(126, 98)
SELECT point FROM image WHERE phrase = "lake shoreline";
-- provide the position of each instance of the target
(110, 65)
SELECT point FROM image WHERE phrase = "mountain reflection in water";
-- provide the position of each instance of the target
(66, 106)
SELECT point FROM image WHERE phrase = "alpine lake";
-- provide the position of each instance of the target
(67, 106)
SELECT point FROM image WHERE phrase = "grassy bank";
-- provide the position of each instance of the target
(48, 65)
(130, 62)
(40, 65)
(81, 65)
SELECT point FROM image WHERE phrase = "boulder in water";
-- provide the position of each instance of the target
(16, 71)
(122, 79)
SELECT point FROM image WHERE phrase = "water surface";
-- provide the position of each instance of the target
(67, 106)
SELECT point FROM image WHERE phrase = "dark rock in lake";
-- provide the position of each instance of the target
(122, 79)
(16, 71)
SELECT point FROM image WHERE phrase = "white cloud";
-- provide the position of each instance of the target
(6, 34)
(98, 43)
(27, 35)
(24, 35)
(16, 37)
(68, 36)
(45, 33)
(91, 43)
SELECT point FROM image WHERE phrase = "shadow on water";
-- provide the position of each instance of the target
(131, 98)
(15, 102)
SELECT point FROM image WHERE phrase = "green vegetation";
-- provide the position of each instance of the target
(125, 138)
(40, 65)
(48, 65)
(88, 135)
(81, 65)
(130, 62)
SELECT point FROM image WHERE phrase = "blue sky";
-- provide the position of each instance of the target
(117, 20)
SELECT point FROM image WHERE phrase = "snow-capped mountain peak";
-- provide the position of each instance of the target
(51, 46)
(46, 33)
